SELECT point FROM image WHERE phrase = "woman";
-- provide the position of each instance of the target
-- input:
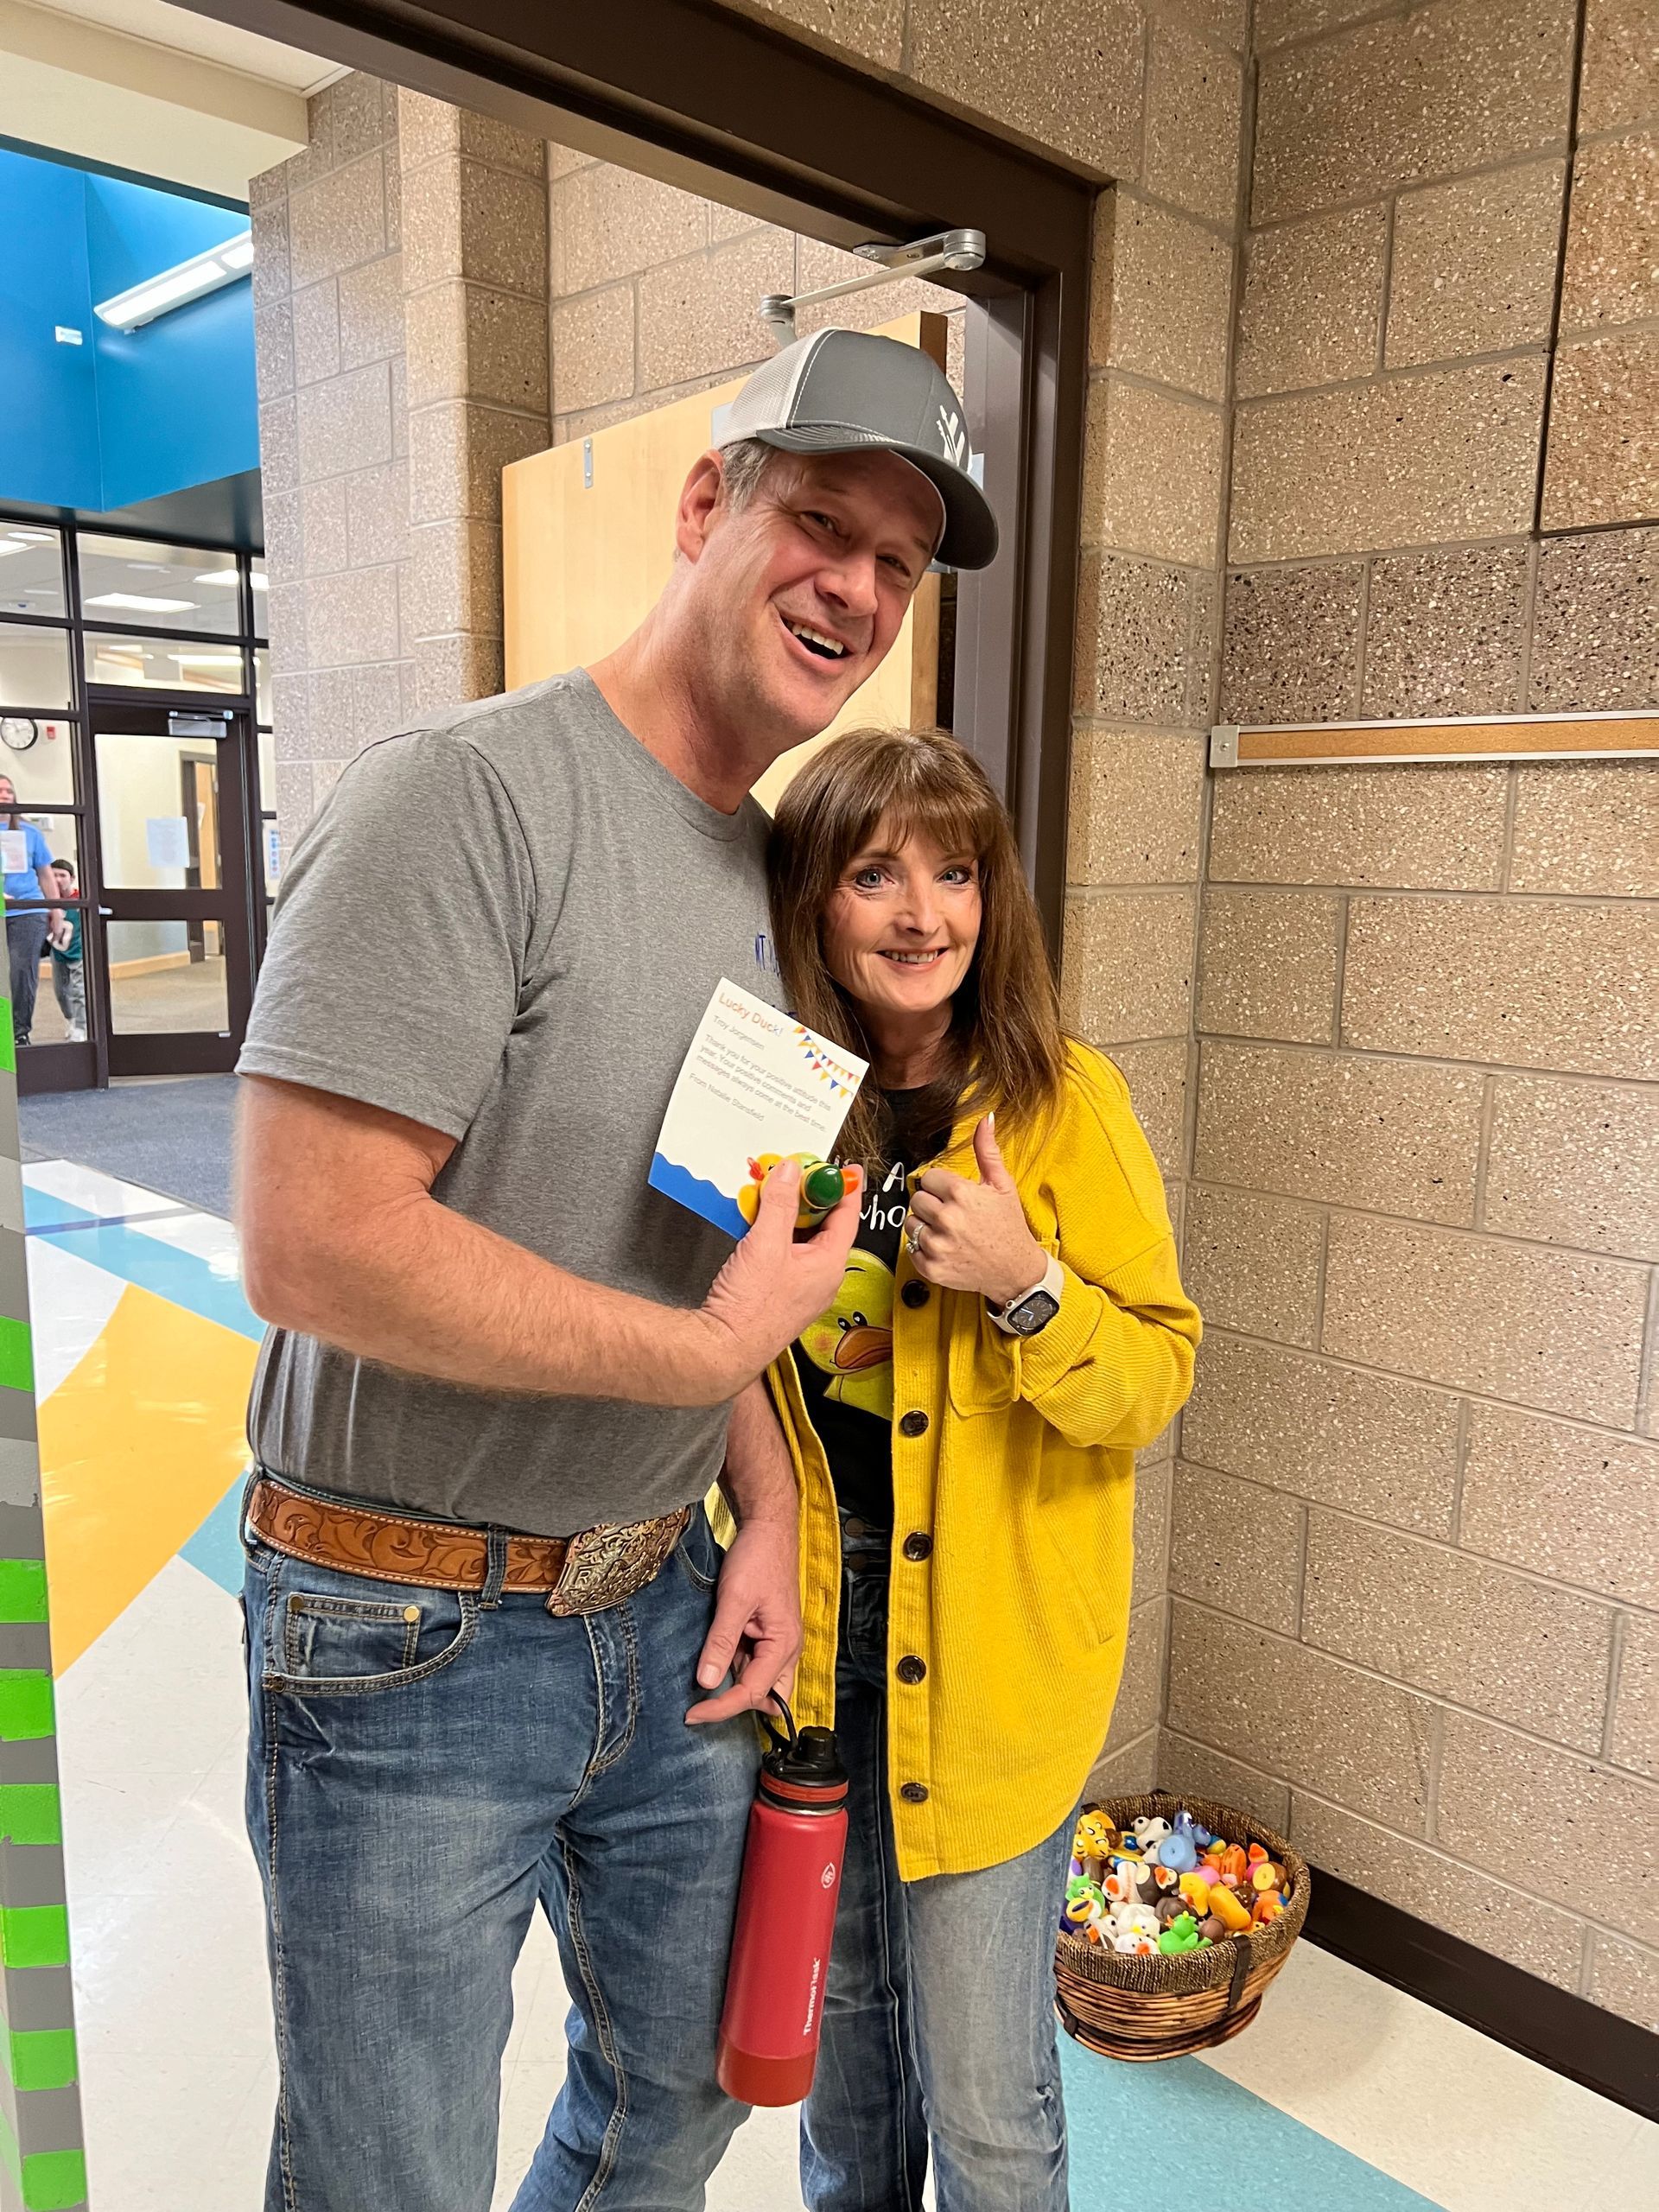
(966, 1565)
(33, 877)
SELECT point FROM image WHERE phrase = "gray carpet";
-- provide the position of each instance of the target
(172, 1137)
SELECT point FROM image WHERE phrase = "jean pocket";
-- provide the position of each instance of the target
(697, 1555)
(337, 1642)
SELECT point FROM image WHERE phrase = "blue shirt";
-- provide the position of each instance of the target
(24, 883)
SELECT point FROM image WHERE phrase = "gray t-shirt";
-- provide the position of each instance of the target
(506, 925)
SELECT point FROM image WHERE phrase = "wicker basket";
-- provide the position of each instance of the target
(1129, 2006)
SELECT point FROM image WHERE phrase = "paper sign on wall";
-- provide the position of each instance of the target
(167, 840)
(755, 1081)
(13, 852)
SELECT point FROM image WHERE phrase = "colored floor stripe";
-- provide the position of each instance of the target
(150, 1264)
(1179, 2134)
(139, 1443)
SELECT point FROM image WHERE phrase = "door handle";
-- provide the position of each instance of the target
(104, 913)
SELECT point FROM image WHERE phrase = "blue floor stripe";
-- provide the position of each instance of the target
(1179, 2134)
(215, 1550)
(147, 1262)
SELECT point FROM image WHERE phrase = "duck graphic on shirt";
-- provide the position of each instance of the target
(852, 1341)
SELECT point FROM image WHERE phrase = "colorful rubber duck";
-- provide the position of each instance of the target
(823, 1186)
(1231, 1911)
(1182, 1934)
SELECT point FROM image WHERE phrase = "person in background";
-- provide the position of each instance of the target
(1012, 1297)
(26, 932)
(69, 972)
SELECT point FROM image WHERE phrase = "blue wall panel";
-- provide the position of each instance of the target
(127, 415)
(176, 399)
(49, 393)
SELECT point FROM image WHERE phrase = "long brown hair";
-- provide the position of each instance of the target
(1005, 1050)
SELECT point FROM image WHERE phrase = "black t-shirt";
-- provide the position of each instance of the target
(844, 1360)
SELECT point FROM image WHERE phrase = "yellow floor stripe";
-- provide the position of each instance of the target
(138, 1444)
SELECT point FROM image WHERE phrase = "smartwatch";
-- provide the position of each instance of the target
(1033, 1309)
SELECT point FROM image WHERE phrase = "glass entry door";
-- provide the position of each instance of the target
(171, 934)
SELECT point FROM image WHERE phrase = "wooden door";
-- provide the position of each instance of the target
(587, 542)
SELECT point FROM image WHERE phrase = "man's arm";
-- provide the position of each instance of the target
(758, 1613)
(342, 1240)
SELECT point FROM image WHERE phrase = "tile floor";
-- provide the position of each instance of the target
(1344, 2096)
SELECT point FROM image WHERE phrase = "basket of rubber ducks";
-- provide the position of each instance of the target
(1179, 1912)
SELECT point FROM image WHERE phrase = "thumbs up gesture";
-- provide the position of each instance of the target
(973, 1235)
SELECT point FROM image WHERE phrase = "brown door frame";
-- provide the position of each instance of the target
(735, 109)
(157, 1053)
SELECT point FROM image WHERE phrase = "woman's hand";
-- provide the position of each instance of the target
(966, 1236)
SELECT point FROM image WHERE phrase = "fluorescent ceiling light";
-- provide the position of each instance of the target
(207, 660)
(228, 576)
(186, 280)
(12, 545)
(142, 601)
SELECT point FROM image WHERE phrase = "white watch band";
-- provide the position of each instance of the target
(1052, 1280)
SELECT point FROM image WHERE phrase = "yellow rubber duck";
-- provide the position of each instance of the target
(852, 1342)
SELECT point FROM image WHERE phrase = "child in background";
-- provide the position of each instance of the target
(68, 976)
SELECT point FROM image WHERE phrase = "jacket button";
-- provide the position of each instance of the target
(914, 1292)
(911, 1670)
(914, 1793)
(913, 1424)
(918, 1547)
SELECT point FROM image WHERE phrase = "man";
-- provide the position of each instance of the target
(492, 1338)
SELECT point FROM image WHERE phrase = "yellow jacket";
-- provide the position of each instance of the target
(1022, 1480)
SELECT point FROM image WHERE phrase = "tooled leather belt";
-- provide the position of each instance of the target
(581, 1573)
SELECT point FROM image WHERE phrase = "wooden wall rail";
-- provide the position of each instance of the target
(1597, 736)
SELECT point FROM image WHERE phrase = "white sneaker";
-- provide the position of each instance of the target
(77, 1034)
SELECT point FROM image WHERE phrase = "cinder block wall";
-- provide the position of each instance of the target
(655, 293)
(400, 303)
(1415, 1555)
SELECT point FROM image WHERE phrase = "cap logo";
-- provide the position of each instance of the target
(954, 436)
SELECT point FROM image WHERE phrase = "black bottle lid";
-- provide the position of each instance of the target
(803, 1770)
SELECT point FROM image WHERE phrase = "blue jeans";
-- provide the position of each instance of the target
(939, 2014)
(424, 1766)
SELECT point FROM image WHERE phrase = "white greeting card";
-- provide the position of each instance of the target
(755, 1081)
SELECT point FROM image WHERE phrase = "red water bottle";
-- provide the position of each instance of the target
(785, 1919)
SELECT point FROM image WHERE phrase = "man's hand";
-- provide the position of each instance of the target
(775, 1283)
(966, 1236)
(756, 1630)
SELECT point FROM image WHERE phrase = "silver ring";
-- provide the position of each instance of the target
(913, 1234)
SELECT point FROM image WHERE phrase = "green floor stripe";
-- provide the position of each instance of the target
(35, 1934)
(23, 1589)
(25, 1704)
(16, 1361)
(8, 1042)
(30, 1812)
(42, 2059)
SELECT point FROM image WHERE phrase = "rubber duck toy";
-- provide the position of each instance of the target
(1095, 1837)
(1195, 1888)
(1149, 1832)
(1177, 1851)
(851, 1340)
(1230, 1910)
(1267, 1907)
(1182, 1934)
(823, 1186)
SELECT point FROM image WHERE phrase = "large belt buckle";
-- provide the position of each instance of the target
(605, 1565)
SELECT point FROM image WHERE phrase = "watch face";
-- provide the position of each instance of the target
(18, 732)
(1033, 1314)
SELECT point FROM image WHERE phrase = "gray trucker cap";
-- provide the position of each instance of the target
(843, 390)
